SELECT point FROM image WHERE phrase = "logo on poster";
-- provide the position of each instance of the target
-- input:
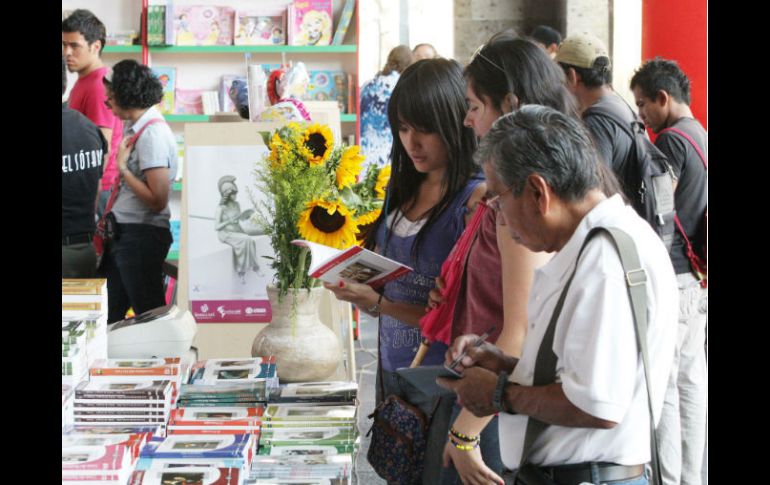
(204, 308)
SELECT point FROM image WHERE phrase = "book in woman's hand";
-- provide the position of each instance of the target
(355, 264)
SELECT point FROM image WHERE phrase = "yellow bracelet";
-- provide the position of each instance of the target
(462, 447)
(460, 436)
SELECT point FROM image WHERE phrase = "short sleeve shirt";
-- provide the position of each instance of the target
(595, 343)
(155, 148)
(612, 142)
(88, 96)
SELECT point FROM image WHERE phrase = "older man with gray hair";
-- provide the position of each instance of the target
(574, 408)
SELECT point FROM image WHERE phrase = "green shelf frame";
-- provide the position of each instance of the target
(187, 118)
(224, 49)
(348, 117)
(122, 49)
(173, 255)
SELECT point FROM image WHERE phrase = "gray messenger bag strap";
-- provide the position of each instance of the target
(545, 364)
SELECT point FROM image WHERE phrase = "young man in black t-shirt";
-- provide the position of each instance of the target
(82, 161)
(662, 93)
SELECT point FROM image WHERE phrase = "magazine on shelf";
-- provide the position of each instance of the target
(354, 264)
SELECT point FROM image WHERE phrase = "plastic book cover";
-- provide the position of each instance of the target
(308, 436)
(187, 475)
(224, 91)
(290, 412)
(95, 458)
(123, 390)
(326, 85)
(306, 450)
(341, 391)
(203, 25)
(260, 27)
(136, 367)
(200, 446)
(167, 78)
(188, 101)
(344, 22)
(310, 22)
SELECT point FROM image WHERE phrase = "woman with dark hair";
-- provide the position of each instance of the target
(147, 161)
(376, 139)
(502, 76)
(433, 191)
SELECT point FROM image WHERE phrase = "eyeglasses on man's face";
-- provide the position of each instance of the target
(494, 203)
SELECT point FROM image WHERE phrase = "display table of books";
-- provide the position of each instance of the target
(217, 421)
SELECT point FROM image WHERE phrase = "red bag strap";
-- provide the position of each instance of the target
(116, 185)
(692, 142)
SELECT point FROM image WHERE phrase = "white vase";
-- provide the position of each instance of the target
(304, 348)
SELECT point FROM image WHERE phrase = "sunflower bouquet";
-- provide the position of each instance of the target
(314, 191)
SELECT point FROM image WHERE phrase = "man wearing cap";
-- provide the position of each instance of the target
(82, 41)
(588, 70)
(580, 374)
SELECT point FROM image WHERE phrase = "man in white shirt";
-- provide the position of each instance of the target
(543, 167)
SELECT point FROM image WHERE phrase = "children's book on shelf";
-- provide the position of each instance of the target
(328, 85)
(310, 22)
(188, 101)
(344, 22)
(355, 264)
(167, 78)
(260, 27)
(156, 24)
(203, 25)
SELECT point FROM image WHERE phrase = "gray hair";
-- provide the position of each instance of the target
(538, 139)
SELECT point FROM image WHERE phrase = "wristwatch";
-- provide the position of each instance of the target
(374, 310)
(498, 398)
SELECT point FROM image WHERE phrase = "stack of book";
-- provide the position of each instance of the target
(214, 372)
(66, 405)
(215, 420)
(218, 473)
(307, 465)
(322, 427)
(95, 463)
(144, 403)
(231, 455)
(248, 395)
(141, 370)
(74, 359)
(86, 300)
(133, 438)
(332, 392)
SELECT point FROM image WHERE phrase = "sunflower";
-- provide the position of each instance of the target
(382, 182)
(329, 223)
(365, 223)
(317, 144)
(350, 166)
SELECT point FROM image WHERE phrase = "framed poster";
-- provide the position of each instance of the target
(226, 251)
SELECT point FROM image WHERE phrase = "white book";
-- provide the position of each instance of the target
(355, 264)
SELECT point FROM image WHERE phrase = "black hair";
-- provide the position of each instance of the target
(63, 75)
(87, 24)
(133, 85)
(521, 68)
(662, 75)
(546, 35)
(594, 77)
(430, 97)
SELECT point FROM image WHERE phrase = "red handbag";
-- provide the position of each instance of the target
(436, 325)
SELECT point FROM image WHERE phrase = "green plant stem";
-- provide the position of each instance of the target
(299, 276)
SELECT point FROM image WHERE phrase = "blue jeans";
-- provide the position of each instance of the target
(439, 424)
(490, 450)
(133, 267)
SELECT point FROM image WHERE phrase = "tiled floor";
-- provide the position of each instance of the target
(366, 350)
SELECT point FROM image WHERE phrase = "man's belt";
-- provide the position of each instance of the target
(85, 237)
(581, 472)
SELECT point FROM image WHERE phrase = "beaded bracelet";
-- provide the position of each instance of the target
(462, 447)
(460, 436)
